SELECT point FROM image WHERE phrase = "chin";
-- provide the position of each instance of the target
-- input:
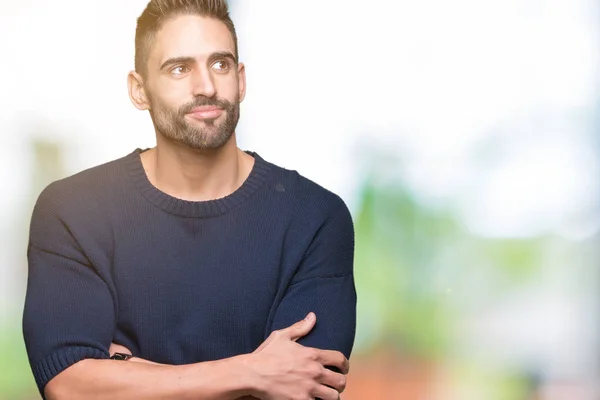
(212, 143)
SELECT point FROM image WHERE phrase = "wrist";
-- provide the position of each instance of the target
(228, 378)
(248, 375)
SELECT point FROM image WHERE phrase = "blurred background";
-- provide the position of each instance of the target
(463, 135)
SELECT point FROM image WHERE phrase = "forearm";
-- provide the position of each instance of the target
(109, 379)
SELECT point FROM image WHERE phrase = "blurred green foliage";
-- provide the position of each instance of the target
(16, 379)
(418, 268)
(394, 267)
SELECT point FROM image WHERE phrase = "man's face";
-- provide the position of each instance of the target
(193, 84)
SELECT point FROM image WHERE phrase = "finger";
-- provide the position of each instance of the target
(326, 393)
(293, 332)
(117, 348)
(301, 328)
(331, 358)
(334, 380)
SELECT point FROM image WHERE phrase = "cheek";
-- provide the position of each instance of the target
(170, 104)
(170, 93)
(228, 88)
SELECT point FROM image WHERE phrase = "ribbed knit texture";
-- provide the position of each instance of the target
(114, 259)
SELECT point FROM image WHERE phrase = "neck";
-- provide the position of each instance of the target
(196, 175)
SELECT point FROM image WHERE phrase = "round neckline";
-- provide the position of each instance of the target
(259, 174)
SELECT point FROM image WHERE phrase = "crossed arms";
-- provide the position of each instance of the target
(69, 322)
(279, 369)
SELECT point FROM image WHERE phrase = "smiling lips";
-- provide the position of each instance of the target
(205, 112)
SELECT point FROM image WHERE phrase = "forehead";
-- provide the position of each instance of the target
(192, 36)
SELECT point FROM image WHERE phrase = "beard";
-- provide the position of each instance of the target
(172, 125)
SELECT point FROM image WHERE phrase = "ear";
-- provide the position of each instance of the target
(241, 81)
(137, 93)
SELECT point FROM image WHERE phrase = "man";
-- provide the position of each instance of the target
(195, 257)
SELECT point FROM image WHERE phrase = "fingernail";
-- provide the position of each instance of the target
(310, 316)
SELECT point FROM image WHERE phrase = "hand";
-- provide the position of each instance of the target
(287, 370)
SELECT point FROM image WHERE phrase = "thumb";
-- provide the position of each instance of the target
(301, 328)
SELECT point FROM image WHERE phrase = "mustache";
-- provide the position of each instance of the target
(204, 101)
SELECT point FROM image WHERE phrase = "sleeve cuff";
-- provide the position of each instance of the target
(58, 361)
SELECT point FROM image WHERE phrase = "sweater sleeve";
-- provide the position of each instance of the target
(69, 312)
(324, 284)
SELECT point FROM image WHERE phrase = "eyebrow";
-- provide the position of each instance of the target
(222, 54)
(192, 60)
(178, 60)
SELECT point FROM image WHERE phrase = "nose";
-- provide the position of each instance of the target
(203, 84)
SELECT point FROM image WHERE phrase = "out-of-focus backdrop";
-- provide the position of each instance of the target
(463, 135)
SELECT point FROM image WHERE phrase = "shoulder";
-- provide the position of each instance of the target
(78, 206)
(320, 228)
(91, 185)
(82, 200)
(308, 197)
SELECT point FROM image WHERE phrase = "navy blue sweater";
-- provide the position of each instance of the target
(114, 259)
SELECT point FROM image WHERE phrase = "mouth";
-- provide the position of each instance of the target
(205, 112)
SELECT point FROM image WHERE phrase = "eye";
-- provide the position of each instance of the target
(221, 65)
(179, 70)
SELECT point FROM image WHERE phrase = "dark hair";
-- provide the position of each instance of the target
(159, 11)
